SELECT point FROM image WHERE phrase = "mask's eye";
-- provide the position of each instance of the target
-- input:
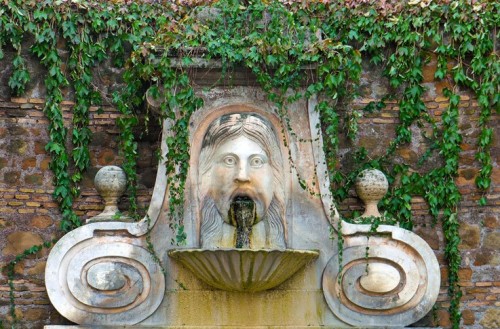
(257, 162)
(229, 161)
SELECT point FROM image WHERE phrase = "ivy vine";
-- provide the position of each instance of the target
(278, 41)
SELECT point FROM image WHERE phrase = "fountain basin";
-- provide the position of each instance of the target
(245, 270)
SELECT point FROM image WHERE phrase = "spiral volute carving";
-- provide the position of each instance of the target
(384, 279)
(105, 280)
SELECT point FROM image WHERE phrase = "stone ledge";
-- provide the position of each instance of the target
(221, 327)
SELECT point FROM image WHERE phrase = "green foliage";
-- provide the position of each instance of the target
(303, 49)
(10, 269)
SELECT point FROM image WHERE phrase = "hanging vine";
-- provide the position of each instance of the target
(276, 41)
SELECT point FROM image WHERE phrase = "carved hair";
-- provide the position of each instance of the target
(259, 130)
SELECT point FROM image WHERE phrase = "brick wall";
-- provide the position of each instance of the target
(29, 216)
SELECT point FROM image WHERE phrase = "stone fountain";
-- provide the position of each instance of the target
(243, 228)
(261, 251)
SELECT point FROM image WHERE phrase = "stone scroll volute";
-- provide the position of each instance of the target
(102, 273)
(389, 275)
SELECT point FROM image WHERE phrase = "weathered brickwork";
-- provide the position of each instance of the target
(29, 216)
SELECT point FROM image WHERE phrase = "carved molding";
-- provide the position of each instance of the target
(331, 212)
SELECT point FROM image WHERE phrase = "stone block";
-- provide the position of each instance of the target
(40, 147)
(17, 242)
(28, 163)
(37, 100)
(12, 177)
(38, 269)
(16, 113)
(17, 146)
(6, 210)
(470, 236)
(484, 284)
(429, 70)
(491, 221)
(26, 211)
(44, 164)
(4, 223)
(487, 257)
(18, 100)
(19, 268)
(491, 319)
(22, 197)
(468, 317)
(34, 179)
(148, 179)
(443, 318)
(41, 221)
(466, 176)
(106, 157)
(492, 241)
(32, 314)
(17, 131)
(495, 175)
(408, 155)
(464, 274)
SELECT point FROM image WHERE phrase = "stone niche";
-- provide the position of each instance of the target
(261, 251)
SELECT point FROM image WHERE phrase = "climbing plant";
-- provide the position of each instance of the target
(154, 44)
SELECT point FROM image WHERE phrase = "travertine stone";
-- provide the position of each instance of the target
(380, 278)
(108, 279)
(107, 276)
(240, 158)
(389, 277)
(398, 277)
(110, 182)
(371, 186)
(244, 269)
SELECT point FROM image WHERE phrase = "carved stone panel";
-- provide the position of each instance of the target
(241, 179)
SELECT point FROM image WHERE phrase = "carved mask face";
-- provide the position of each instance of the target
(241, 168)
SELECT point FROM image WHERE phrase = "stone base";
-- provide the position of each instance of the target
(222, 327)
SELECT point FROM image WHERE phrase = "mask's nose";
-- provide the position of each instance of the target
(242, 174)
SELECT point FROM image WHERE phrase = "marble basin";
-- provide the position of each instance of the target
(244, 270)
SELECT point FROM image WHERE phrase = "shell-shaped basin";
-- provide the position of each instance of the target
(243, 269)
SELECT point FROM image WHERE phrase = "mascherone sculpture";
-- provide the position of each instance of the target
(241, 161)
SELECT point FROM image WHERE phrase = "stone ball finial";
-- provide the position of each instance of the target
(110, 182)
(371, 186)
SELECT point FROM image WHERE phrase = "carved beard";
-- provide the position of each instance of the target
(213, 227)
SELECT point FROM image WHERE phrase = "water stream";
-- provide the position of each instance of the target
(243, 215)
